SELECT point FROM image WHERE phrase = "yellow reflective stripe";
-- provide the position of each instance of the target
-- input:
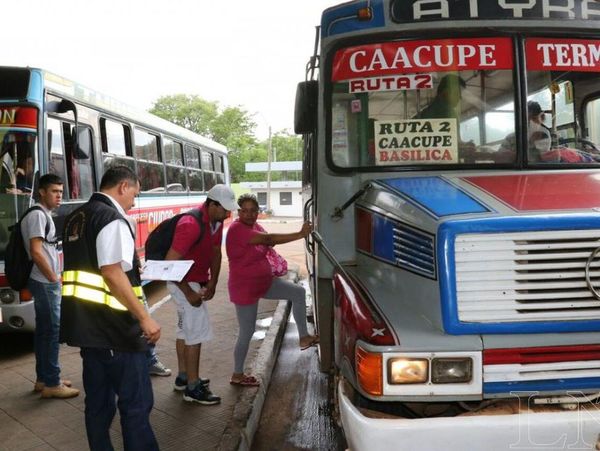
(93, 295)
(88, 278)
(95, 280)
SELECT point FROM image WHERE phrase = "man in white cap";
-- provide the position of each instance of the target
(198, 240)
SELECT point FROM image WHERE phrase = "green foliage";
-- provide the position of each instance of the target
(188, 111)
(234, 128)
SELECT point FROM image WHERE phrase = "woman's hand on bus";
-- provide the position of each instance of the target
(306, 229)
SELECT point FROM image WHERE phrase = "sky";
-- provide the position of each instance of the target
(242, 53)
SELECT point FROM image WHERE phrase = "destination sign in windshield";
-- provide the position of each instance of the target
(410, 11)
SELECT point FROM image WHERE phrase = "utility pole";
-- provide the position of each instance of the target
(269, 149)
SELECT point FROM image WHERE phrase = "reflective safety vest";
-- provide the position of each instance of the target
(91, 287)
(90, 315)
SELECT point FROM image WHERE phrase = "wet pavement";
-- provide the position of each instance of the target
(30, 423)
(308, 422)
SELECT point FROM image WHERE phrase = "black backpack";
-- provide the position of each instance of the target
(159, 241)
(17, 263)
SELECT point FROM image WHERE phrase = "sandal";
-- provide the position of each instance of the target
(313, 341)
(246, 381)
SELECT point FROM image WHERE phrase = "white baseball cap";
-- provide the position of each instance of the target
(224, 195)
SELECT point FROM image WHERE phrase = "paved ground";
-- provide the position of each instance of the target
(30, 423)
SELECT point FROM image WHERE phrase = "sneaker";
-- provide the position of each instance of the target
(201, 394)
(181, 384)
(39, 385)
(158, 369)
(60, 391)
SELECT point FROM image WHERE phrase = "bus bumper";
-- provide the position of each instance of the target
(577, 429)
(19, 317)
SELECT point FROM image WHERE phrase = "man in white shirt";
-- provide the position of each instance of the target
(104, 313)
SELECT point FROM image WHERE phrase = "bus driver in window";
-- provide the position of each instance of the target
(447, 100)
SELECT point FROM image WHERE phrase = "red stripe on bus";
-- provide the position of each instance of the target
(535, 192)
(541, 354)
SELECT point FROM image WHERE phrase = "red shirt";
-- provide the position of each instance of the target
(187, 232)
(249, 271)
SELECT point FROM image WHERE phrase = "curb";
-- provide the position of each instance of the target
(239, 433)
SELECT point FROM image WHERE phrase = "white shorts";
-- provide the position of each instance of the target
(193, 323)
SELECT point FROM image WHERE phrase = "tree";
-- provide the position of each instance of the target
(234, 128)
(286, 147)
(231, 126)
(188, 111)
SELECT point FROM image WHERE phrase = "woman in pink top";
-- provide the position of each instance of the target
(250, 279)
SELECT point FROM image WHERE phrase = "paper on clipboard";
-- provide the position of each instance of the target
(171, 270)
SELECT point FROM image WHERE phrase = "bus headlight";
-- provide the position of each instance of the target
(7, 296)
(408, 371)
(451, 370)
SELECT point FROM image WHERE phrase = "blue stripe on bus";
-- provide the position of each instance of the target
(447, 233)
(36, 86)
(342, 19)
(383, 238)
(436, 195)
(581, 383)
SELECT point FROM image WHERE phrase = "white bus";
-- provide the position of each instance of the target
(51, 124)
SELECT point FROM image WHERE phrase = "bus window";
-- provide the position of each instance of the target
(80, 167)
(115, 137)
(559, 85)
(219, 169)
(151, 175)
(146, 146)
(17, 160)
(116, 144)
(149, 168)
(208, 167)
(173, 154)
(400, 115)
(57, 156)
(194, 174)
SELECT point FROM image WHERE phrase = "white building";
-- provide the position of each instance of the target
(286, 196)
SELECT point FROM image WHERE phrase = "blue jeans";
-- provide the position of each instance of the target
(151, 356)
(46, 301)
(124, 375)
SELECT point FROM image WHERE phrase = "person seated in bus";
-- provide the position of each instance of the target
(24, 175)
(539, 139)
(447, 99)
(446, 104)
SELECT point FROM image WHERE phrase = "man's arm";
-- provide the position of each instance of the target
(192, 297)
(121, 288)
(39, 258)
(215, 269)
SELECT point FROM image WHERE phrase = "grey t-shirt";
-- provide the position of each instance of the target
(33, 226)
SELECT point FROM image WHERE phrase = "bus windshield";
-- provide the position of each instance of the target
(451, 102)
(17, 156)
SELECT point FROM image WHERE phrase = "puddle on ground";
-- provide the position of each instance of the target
(265, 322)
(262, 325)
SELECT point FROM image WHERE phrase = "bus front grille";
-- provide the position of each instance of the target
(414, 250)
(526, 276)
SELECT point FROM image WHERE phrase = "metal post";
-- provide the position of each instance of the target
(269, 171)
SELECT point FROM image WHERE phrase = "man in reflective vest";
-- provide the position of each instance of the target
(104, 315)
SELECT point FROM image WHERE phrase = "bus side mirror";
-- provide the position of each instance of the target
(305, 111)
